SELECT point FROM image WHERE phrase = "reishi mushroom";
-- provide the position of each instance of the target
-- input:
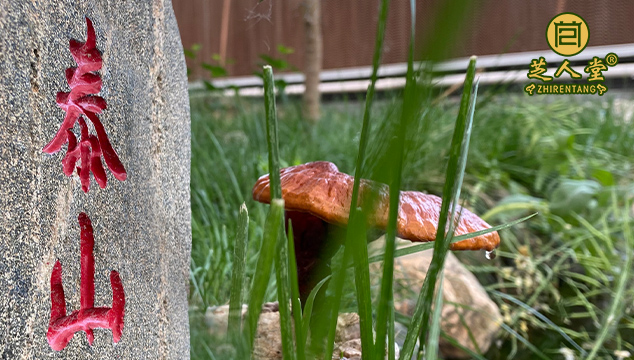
(317, 196)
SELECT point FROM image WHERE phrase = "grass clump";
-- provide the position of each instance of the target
(565, 263)
(562, 280)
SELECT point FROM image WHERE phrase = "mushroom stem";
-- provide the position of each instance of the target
(309, 233)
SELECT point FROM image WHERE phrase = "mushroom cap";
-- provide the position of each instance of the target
(320, 189)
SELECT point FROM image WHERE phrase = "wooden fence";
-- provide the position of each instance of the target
(252, 28)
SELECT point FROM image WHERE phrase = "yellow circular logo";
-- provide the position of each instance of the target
(567, 34)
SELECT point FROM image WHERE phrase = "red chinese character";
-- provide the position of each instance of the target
(83, 101)
(62, 327)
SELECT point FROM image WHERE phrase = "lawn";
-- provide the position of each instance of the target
(561, 278)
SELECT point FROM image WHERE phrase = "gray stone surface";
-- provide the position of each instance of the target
(142, 225)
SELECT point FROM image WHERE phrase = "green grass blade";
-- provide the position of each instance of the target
(226, 165)
(300, 337)
(500, 209)
(470, 334)
(406, 320)
(459, 145)
(541, 317)
(458, 345)
(538, 315)
(395, 157)
(615, 312)
(284, 295)
(356, 239)
(237, 276)
(281, 255)
(339, 264)
(429, 245)
(192, 275)
(462, 165)
(308, 309)
(262, 272)
(356, 242)
(209, 352)
(271, 132)
(391, 337)
(431, 350)
(524, 341)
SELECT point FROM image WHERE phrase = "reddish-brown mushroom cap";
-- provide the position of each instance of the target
(320, 189)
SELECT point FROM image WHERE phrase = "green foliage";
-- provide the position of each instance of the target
(215, 68)
(273, 231)
(192, 52)
(281, 253)
(561, 280)
(566, 271)
(451, 196)
(284, 50)
(299, 321)
(277, 63)
(234, 326)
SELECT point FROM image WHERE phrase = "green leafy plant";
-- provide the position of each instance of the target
(215, 68)
(277, 63)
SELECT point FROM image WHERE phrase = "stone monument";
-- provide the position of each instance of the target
(141, 225)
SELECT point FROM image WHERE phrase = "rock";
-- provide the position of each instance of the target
(347, 327)
(141, 225)
(268, 341)
(349, 350)
(217, 320)
(348, 338)
(481, 315)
